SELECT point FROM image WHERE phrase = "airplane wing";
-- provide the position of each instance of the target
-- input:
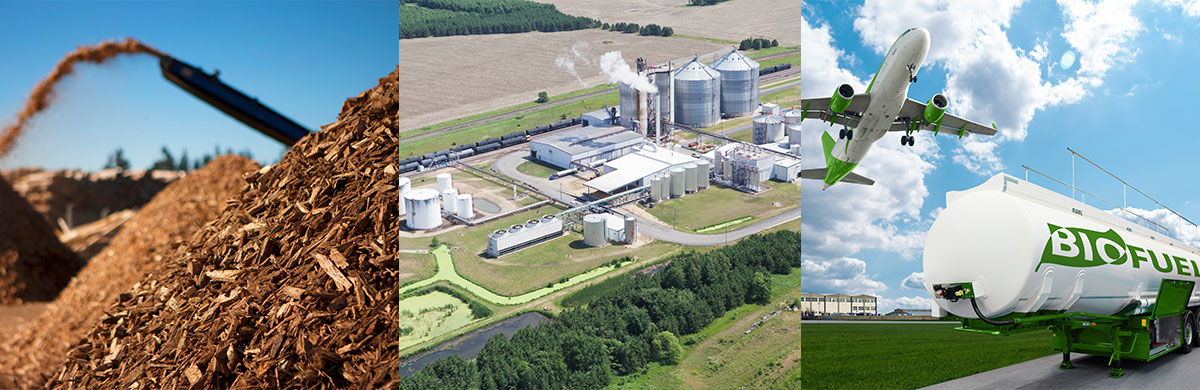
(950, 123)
(818, 108)
(819, 174)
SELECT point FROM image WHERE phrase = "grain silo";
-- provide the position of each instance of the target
(465, 207)
(593, 230)
(767, 129)
(424, 212)
(405, 187)
(690, 173)
(697, 95)
(703, 169)
(739, 83)
(677, 182)
(663, 104)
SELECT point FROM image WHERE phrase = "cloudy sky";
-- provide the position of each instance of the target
(1110, 79)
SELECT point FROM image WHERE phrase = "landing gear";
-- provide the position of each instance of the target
(908, 140)
(846, 134)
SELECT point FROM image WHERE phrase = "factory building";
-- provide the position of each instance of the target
(599, 229)
(746, 167)
(837, 304)
(584, 145)
(638, 167)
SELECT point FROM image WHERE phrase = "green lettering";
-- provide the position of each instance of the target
(1181, 265)
(1166, 268)
(1138, 255)
(1195, 270)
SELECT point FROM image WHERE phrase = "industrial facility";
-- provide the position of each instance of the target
(837, 304)
(521, 236)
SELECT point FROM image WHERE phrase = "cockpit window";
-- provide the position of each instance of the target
(906, 31)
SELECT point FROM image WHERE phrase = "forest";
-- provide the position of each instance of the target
(436, 18)
(619, 332)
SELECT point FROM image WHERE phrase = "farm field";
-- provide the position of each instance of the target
(460, 76)
(694, 211)
(875, 356)
(731, 21)
(431, 315)
(722, 356)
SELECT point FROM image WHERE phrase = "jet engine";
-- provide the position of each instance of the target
(841, 98)
(935, 108)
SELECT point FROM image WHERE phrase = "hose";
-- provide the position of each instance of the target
(985, 319)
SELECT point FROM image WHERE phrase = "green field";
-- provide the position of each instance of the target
(905, 356)
(794, 59)
(431, 315)
(695, 210)
(722, 356)
(537, 168)
(501, 127)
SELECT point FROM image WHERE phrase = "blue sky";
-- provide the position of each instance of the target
(1110, 79)
(301, 58)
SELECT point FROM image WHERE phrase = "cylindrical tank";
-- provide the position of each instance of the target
(630, 229)
(465, 207)
(405, 187)
(767, 129)
(450, 200)
(593, 230)
(702, 171)
(739, 83)
(794, 149)
(697, 95)
(678, 182)
(656, 189)
(424, 210)
(1025, 248)
(792, 117)
(793, 134)
(662, 80)
(628, 104)
(690, 173)
(443, 182)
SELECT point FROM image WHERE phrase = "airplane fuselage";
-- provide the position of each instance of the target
(888, 91)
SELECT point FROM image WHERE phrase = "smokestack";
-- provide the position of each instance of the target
(643, 109)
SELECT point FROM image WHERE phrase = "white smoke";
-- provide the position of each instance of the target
(618, 71)
(567, 63)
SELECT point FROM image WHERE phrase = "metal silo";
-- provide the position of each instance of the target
(424, 212)
(662, 80)
(691, 172)
(593, 230)
(739, 83)
(767, 129)
(697, 95)
(702, 180)
(629, 103)
(677, 181)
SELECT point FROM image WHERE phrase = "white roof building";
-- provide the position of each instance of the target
(584, 145)
(639, 164)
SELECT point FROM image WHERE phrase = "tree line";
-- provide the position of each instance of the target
(168, 162)
(647, 30)
(621, 331)
(757, 43)
(426, 18)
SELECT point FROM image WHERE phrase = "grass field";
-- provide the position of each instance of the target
(794, 59)
(905, 356)
(722, 356)
(696, 210)
(431, 315)
(537, 168)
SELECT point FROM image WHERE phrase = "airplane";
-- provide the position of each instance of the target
(884, 107)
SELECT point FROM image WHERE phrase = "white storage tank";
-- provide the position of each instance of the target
(593, 230)
(691, 172)
(443, 182)
(792, 117)
(630, 229)
(424, 210)
(793, 134)
(450, 200)
(405, 187)
(1025, 248)
(767, 129)
(702, 172)
(655, 189)
(678, 182)
(665, 186)
(465, 207)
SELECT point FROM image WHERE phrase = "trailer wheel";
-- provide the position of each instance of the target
(1188, 333)
(1195, 331)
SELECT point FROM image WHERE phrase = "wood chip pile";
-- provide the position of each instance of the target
(34, 265)
(77, 197)
(293, 286)
(151, 236)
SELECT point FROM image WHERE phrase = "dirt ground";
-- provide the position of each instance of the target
(733, 20)
(452, 77)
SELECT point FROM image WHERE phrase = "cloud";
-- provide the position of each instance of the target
(1173, 224)
(914, 281)
(887, 305)
(1189, 7)
(843, 275)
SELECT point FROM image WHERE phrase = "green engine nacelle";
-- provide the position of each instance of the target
(935, 108)
(841, 98)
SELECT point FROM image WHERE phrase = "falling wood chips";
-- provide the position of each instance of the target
(293, 286)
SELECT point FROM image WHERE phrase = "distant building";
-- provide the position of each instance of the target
(584, 145)
(837, 304)
(911, 312)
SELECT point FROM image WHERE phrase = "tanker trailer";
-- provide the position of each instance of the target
(1008, 257)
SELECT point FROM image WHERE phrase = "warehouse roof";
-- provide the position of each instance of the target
(642, 162)
(586, 139)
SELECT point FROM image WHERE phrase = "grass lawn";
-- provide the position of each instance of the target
(905, 356)
(531, 103)
(537, 169)
(771, 51)
(431, 315)
(696, 210)
(794, 59)
(498, 128)
(722, 356)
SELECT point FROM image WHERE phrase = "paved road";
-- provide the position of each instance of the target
(1172, 371)
(507, 165)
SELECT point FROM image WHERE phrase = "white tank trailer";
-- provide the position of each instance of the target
(424, 211)
(1026, 258)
